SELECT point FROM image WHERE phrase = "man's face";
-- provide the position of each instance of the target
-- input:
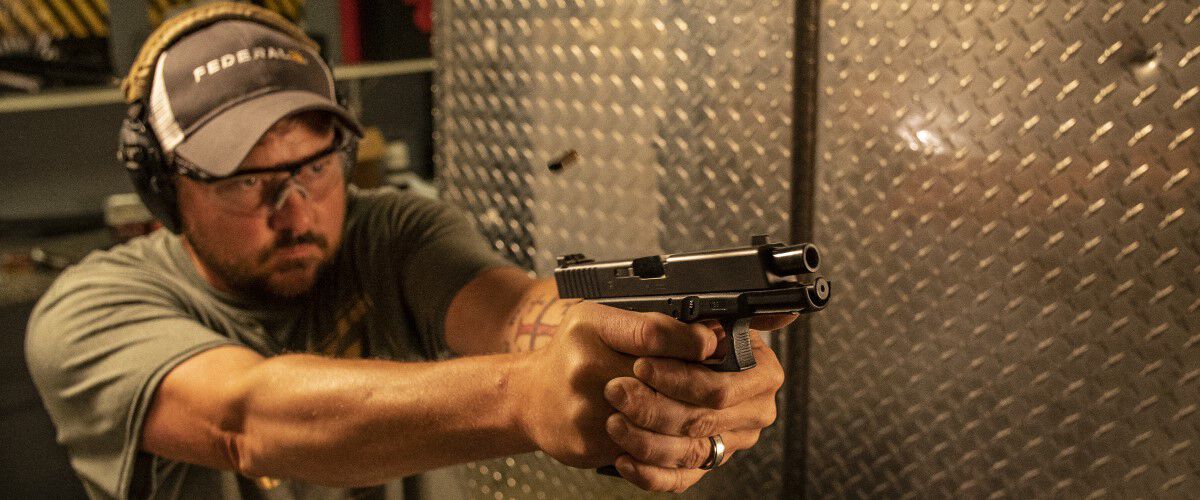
(269, 252)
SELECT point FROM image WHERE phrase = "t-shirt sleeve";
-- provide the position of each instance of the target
(437, 252)
(97, 349)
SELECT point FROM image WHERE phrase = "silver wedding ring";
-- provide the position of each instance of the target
(717, 455)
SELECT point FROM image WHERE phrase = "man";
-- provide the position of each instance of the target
(292, 339)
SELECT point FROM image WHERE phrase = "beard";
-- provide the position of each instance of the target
(265, 274)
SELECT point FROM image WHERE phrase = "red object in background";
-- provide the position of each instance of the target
(422, 14)
(351, 38)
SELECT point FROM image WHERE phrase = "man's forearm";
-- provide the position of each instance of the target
(362, 422)
(339, 421)
(504, 310)
(349, 422)
(537, 318)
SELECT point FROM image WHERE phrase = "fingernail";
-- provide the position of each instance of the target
(614, 425)
(642, 369)
(615, 393)
(624, 466)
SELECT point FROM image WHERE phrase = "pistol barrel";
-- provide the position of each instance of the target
(794, 259)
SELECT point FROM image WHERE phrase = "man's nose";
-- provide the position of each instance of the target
(292, 209)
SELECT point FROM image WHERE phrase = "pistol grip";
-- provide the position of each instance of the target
(739, 355)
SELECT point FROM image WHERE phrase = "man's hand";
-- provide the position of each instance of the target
(583, 353)
(668, 412)
(561, 386)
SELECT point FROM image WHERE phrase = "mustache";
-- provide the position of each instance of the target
(289, 239)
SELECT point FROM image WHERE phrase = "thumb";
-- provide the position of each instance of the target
(652, 334)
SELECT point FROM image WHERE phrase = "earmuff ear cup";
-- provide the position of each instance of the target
(351, 156)
(142, 157)
(352, 146)
(158, 194)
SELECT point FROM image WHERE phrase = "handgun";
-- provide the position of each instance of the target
(729, 285)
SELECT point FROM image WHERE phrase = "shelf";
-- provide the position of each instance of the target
(63, 99)
(60, 99)
(383, 69)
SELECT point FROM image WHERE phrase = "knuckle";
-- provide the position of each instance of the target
(702, 425)
(661, 482)
(577, 319)
(777, 381)
(643, 334)
(640, 448)
(688, 340)
(721, 397)
(703, 340)
(757, 344)
(645, 414)
(681, 483)
(578, 331)
(775, 377)
(696, 454)
(577, 369)
(767, 416)
(636, 444)
(653, 484)
(576, 454)
(576, 412)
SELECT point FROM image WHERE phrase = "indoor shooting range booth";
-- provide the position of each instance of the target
(1006, 195)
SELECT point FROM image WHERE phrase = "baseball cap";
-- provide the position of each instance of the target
(216, 91)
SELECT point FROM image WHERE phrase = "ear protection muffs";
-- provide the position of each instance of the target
(139, 150)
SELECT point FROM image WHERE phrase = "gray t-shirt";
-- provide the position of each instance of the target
(110, 328)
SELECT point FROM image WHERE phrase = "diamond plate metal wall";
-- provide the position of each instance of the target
(1009, 202)
(680, 113)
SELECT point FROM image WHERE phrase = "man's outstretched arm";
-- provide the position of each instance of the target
(332, 421)
(358, 422)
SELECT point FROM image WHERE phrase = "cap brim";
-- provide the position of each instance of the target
(220, 145)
